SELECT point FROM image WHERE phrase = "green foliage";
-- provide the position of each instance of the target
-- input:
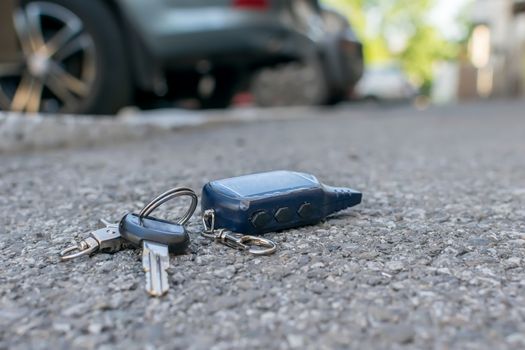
(376, 50)
(423, 49)
(407, 19)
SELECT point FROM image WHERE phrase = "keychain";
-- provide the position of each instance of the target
(235, 211)
(157, 238)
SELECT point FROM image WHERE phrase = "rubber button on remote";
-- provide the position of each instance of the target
(306, 210)
(283, 215)
(260, 219)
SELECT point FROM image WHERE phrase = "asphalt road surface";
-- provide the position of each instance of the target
(433, 257)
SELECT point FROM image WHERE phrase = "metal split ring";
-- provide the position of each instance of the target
(166, 196)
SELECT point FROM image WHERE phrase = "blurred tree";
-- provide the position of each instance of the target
(376, 48)
(398, 30)
(423, 49)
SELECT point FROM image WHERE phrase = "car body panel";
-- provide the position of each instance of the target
(180, 30)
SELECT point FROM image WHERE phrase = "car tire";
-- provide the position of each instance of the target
(87, 74)
(333, 70)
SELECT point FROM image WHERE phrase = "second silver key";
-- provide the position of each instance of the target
(157, 238)
(155, 261)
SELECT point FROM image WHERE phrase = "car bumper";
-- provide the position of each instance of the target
(249, 43)
(183, 35)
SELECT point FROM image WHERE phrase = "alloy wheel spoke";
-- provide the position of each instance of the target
(35, 97)
(71, 29)
(21, 28)
(34, 27)
(69, 81)
(79, 43)
(22, 94)
(60, 91)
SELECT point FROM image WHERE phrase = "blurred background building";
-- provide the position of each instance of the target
(496, 51)
(451, 50)
(423, 39)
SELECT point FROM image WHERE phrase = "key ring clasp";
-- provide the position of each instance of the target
(85, 247)
(105, 239)
(254, 245)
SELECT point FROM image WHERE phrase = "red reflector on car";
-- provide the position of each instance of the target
(251, 4)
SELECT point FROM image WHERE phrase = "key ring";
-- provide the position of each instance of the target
(249, 243)
(166, 196)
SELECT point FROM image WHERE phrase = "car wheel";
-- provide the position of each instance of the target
(72, 60)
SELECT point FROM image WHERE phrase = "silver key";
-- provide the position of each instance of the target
(155, 261)
(106, 239)
(158, 238)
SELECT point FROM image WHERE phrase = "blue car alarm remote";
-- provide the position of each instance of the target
(273, 201)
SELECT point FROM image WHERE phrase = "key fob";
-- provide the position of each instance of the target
(135, 230)
(273, 201)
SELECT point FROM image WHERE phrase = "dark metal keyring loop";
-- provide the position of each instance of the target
(166, 196)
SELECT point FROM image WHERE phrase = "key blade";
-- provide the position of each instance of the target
(155, 261)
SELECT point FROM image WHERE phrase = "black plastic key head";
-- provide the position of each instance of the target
(135, 230)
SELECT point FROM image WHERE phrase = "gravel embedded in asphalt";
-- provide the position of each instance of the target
(433, 257)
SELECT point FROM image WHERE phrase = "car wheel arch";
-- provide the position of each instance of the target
(145, 71)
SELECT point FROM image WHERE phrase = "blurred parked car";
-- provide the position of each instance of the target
(96, 56)
(385, 83)
(343, 53)
(327, 76)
